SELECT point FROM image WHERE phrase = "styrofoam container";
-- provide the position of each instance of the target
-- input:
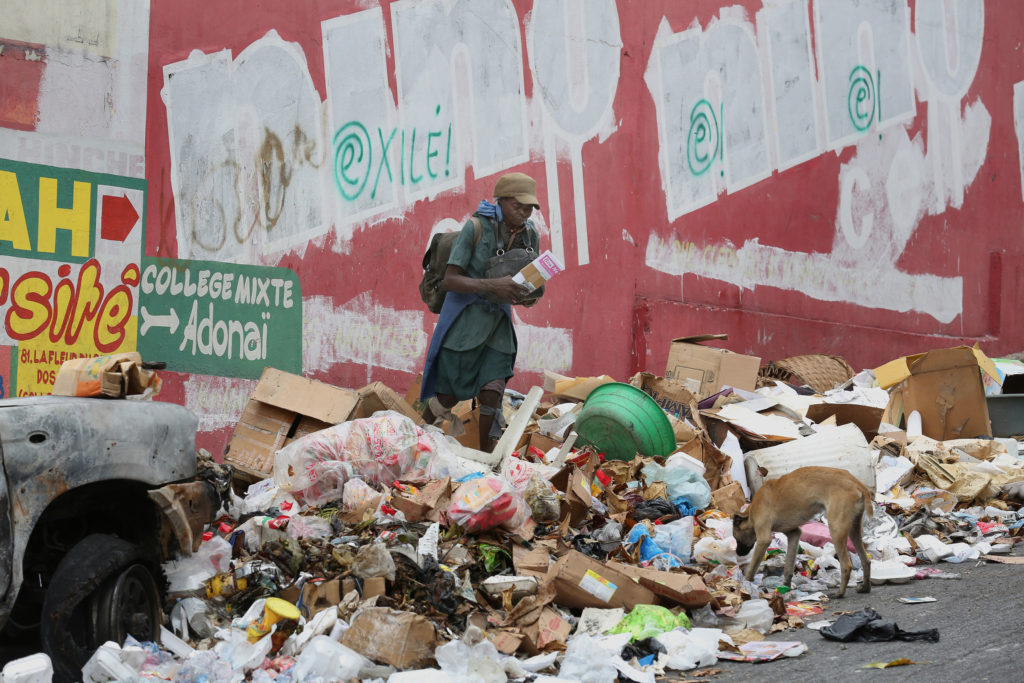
(681, 459)
(35, 668)
(890, 571)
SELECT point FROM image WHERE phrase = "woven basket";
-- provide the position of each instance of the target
(820, 372)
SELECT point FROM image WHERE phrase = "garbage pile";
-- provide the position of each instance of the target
(596, 541)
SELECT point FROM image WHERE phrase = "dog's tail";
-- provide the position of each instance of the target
(868, 499)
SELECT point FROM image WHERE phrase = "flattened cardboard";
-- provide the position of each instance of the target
(283, 407)
(402, 639)
(575, 485)
(945, 387)
(533, 561)
(729, 499)
(572, 388)
(688, 590)
(712, 367)
(506, 642)
(379, 396)
(672, 396)
(581, 581)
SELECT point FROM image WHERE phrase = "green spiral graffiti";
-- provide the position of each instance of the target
(353, 157)
(704, 138)
(861, 99)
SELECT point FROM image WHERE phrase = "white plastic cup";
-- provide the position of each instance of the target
(913, 424)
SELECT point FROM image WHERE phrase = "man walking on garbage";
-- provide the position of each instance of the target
(473, 349)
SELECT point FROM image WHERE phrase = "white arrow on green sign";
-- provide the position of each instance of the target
(218, 318)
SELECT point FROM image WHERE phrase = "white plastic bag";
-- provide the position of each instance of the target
(327, 659)
(189, 573)
(676, 537)
(715, 551)
(688, 649)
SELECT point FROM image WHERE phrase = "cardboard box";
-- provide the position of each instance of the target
(470, 417)
(945, 387)
(283, 407)
(713, 367)
(671, 395)
(868, 418)
(579, 580)
(675, 588)
(550, 631)
(402, 639)
(374, 586)
(379, 396)
(113, 376)
(316, 595)
(535, 274)
(542, 442)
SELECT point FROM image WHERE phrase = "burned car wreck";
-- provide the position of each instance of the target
(95, 495)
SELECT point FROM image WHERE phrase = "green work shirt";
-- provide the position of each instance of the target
(480, 323)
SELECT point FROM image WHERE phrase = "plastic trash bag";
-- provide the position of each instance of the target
(646, 621)
(316, 466)
(690, 649)
(682, 482)
(542, 497)
(374, 560)
(867, 626)
(649, 549)
(756, 614)
(189, 573)
(676, 537)
(357, 496)
(486, 503)
(710, 550)
(326, 658)
(586, 661)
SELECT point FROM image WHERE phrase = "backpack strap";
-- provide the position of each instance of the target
(478, 230)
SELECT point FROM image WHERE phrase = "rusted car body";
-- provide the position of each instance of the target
(94, 495)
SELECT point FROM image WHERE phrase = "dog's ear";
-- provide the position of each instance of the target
(741, 515)
(762, 471)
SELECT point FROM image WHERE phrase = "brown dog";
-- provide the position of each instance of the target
(785, 503)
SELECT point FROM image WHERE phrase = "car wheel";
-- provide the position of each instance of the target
(100, 591)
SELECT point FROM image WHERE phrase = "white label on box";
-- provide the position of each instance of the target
(548, 264)
(598, 586)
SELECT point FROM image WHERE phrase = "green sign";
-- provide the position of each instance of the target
(57, 214)
(218, 318)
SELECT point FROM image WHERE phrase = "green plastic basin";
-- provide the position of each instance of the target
(620, 421)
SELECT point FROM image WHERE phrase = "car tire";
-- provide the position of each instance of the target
(101, 590)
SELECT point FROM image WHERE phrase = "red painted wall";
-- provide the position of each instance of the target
(619, 310)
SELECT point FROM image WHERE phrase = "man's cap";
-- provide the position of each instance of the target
(520, 186)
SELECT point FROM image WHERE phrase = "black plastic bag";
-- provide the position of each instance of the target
(867, 626)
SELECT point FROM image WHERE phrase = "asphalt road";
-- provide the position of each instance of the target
(980, 619)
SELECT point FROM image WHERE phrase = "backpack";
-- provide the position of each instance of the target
(435, 261)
